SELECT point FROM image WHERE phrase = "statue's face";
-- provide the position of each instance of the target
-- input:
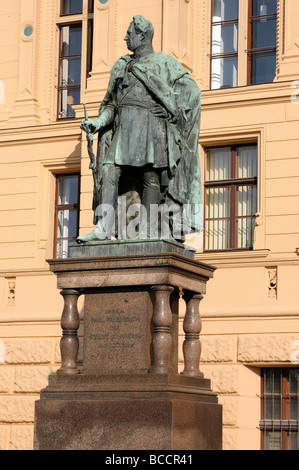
(133, 39)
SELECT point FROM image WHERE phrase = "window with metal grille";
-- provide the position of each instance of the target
(75, 24)
(66, 213)
(262, 41)
(230, 197)
(279, 423)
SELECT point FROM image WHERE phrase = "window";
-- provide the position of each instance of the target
(224, 58)
(75, 50)
(69, 7)
(243, 42)
(262, 41)
(280, 409)
(66, 213)
(230, 197)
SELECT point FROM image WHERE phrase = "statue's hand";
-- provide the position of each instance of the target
(159, 111)
(90, 126)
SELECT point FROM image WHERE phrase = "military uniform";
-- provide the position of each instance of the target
(139, 139)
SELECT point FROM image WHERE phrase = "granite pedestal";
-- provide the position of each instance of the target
(127, 394)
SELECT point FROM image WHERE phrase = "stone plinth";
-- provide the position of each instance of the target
(128, 394)
(136, 412)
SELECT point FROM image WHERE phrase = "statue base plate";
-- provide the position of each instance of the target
(129, 247)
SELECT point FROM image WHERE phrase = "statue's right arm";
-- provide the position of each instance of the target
(106, 117)
(107, 108)
(93, 126)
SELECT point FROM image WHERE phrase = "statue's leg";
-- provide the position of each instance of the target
(166, 222)
(151, 195)
(151, 188)
(110, 181)
(105, 227)
(176, 218)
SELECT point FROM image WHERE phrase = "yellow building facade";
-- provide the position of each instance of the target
(244, 55)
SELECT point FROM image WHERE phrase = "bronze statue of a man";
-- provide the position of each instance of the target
(148, 127)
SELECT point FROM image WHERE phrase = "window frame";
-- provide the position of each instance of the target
(85, 19)
(223, 55)
(284, 425)
(233, 182)
(59, 207)
(60, 88)
(255, 51)
(244, 47)
(68, 14)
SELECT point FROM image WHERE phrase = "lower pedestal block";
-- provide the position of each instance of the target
(149, 412)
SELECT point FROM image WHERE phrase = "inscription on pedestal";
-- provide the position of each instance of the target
(115, 320)
(117, 332)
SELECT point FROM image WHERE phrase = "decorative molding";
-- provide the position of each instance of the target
(279, 34)
(116, 29)
(10, 295)
(272, 283)
(64, 130)
(258, 219)
(233, 255)
(25, 272)
(267, 93)
(270, 311)
(252, 258)
(230, 135)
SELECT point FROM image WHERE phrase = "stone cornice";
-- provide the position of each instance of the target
(247, 95)
(237, 259)
(58, 130)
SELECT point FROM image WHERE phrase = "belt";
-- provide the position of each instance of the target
(137, 104)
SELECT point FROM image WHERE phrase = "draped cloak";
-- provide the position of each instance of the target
(171, 86)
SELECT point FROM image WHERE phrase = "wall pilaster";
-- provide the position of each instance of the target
(288, 34)
(103, 50)
(178, 30)
(26, 109)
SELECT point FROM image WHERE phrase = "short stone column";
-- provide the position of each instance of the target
(70, 322)
(192, 329)
(162, 320)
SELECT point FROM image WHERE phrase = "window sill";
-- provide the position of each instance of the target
(238, 96)
(233, 258)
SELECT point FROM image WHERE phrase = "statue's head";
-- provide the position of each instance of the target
(140, 32)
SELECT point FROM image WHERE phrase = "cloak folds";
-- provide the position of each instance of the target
(172, 86)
